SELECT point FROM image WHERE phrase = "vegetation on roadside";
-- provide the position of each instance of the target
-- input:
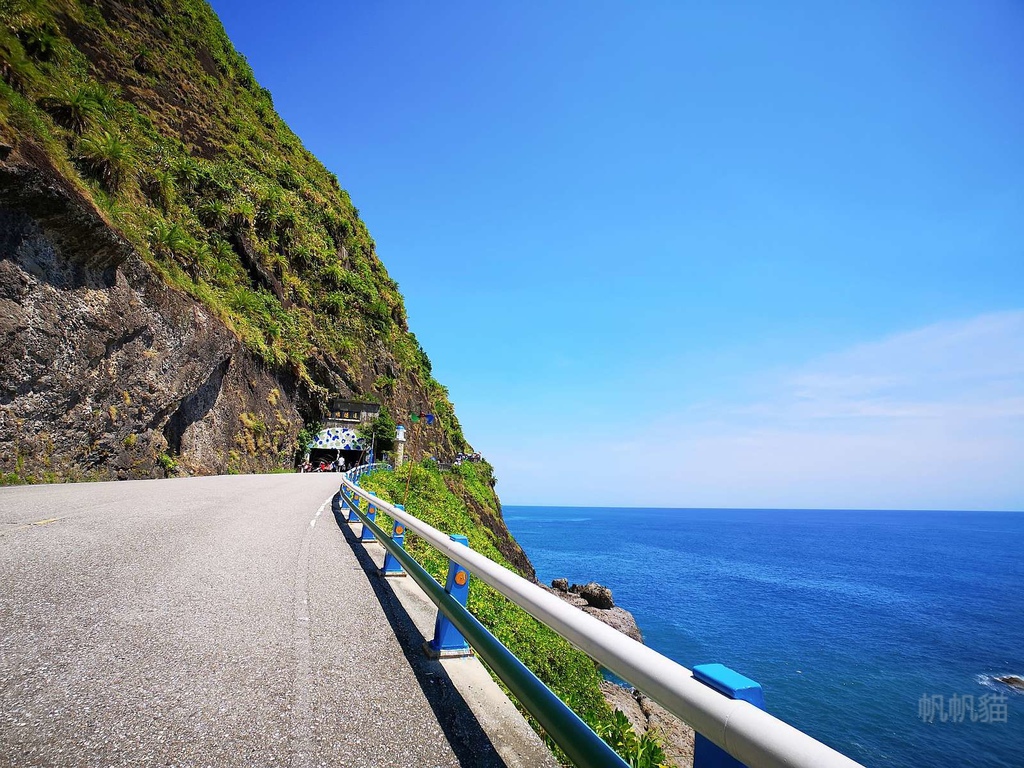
(379, 432)
(451, 501)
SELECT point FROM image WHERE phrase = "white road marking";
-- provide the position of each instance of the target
(312, 523)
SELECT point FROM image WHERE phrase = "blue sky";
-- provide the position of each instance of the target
(736, 254)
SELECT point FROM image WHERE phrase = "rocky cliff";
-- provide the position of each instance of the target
(183, 286)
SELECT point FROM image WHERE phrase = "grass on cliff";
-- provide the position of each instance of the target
(151, 111)
(437, 497)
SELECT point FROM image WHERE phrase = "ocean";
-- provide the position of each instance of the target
(878, 633)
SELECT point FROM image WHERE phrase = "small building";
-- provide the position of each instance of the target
(339, 439)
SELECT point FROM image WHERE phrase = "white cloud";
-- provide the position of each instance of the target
(932, 418)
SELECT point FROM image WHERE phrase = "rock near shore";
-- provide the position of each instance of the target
(646, 715)
(1014, 681)
(596, 599)
(596, 595)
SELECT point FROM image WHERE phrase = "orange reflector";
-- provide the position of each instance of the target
(460, 578)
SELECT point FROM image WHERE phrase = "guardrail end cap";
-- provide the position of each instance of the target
(730, 683)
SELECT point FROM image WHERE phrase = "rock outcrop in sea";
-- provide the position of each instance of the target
(1013, 681)
(596, 599)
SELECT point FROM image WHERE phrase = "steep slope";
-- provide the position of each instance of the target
(182, 284)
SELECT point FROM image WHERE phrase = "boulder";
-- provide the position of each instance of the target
(1014, 681)
(614, 617)
(562, 585)
(596, 595)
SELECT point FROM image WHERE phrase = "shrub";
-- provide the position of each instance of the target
(222, 250)
(41, 42)
(105, 101)
(333, 274)
(187, 173)
(159, 188)
(72, 107)
(334, 303)
(269, 211)
(168, 239)
(214, 214)
(109, 157)
(242, 215)
(639, 751)
(380, 432)
(244, 301)
(203, 263)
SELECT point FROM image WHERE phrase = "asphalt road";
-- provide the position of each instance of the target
(203, 621)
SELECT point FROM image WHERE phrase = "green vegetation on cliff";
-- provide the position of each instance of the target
(150, 111)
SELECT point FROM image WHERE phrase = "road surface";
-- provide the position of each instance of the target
(203, 621)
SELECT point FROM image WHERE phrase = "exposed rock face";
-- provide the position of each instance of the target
(104, 368)
(627, 701)
(584, 597)
(645, 714)
(106, 372)
(617, 618)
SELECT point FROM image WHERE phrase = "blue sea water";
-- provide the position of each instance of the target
(846, 618)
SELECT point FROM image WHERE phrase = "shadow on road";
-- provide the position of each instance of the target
(468, 740)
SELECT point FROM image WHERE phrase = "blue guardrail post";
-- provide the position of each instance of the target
(448, 641)
(730, 683)
(366, 534)
(352, 516)
(391, 565)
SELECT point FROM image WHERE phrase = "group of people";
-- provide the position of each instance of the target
(466, 457)
(323, 466)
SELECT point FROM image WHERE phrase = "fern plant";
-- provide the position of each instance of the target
(159, 188)
(168, 239)
(214, 214)
(74, 108)
(41, 42)
(109, 157)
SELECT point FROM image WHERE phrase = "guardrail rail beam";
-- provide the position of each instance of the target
(743, 730)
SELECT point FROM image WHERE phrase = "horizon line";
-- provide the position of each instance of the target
(771, 509)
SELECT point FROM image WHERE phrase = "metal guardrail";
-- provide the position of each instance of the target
(751, 735)
(576, 739)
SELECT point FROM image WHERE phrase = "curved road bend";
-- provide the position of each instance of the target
(202, 621)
